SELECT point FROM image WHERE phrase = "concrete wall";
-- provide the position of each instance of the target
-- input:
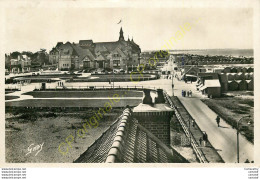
(215, 92)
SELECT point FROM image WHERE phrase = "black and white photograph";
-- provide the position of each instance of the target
(128, 84)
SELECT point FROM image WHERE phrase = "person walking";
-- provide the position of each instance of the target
(218, 120)
(205, 138)
(184, 93)
(193, 123)
(190, 93)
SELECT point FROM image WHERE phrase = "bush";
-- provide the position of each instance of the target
(29, 116)
(49, 114)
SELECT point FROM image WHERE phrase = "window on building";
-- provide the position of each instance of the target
(116, 55)
(116, 62)
(88, 64)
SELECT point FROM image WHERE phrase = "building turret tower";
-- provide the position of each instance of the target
(121, 37)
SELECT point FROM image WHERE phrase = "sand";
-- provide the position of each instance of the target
(50, 132)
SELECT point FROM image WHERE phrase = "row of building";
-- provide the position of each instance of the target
(214, 84)
(238, 76)
(213, 88)
(86, 54)
(20, 65)
(239, 81)
(194, 70)
(185, 59)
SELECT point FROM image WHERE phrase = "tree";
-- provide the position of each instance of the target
(14, 55)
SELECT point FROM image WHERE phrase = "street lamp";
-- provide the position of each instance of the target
(172, 86)
(238, 123)
(113, 79)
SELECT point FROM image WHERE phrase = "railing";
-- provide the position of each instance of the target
(194, 144)
(98, 88)
(10, 88)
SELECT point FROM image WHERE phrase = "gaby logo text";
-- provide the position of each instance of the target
(35, 149)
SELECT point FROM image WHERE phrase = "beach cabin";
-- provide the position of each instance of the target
(251, 76)
(231, 76)
(250, 85)
(233, 70)
(239, 69)
(244, 70)
(250, 69)
(242, 85)
(227, 70)
(246, 76)
(240, 76)
(232, 85)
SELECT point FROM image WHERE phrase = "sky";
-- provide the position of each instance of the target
(29, 29)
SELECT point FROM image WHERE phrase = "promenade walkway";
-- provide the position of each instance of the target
(223, 138)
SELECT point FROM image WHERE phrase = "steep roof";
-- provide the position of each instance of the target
(89, 49)
(106, 46)
(86, 42)
(82, 52)
(126, 141)
(59, 44)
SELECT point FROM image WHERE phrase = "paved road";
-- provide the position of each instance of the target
(222, 138)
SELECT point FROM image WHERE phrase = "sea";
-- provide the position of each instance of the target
(213, 52)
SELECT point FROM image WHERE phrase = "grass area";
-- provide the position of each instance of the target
(50, 128)
(84, 94)
(231, 109)
(11, 97)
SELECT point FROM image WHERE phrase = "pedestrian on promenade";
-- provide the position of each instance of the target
(218, 120)
(200, 141)
(193, 123)
(205, 138)
(184, 93)
(190, 93)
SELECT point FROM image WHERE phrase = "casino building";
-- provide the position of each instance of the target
(120, 54)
